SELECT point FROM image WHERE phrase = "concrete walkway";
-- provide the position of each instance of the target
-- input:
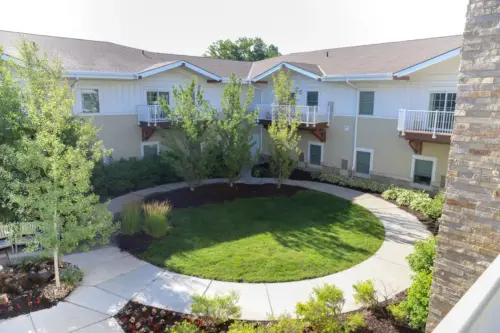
(112, 277)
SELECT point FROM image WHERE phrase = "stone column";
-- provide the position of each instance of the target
(469, 236)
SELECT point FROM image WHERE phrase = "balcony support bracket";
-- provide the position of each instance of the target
(416, 146)
(147, 132)
(320, 133)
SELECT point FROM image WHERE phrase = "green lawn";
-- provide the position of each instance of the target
(310, 234)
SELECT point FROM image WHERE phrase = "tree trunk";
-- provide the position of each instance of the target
(56, 269)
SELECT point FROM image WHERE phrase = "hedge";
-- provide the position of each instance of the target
(356, 183)
(419, 201)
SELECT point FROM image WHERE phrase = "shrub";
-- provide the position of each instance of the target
(216, 309)
(398, 311)
(352, 182)
(155, 218)
(183, 327)
(131, 218)
(127, 175)
(323, 308)
(434, 208)
(417, 300)
(72, 276)
(422, 259)
(243, 327)
(391, 193)
(354, 321)
(417, 200)
(365, 293)
(286, 324)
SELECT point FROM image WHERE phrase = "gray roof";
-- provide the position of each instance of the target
(79, 54)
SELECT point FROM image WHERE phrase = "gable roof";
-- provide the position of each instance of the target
(97, 56)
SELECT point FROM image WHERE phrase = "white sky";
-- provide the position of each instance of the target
(189, 26)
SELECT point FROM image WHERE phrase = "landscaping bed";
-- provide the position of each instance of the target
(258, 233)
(30, 286)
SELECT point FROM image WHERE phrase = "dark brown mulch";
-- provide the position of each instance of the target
(137, 243)
(136, 318)
(220, 193)
(30, 287)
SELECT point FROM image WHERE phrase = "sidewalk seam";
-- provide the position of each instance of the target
(269, 300)
(209, 284)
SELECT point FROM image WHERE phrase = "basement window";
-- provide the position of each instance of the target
(423, 169)
(364, 161)
(149, 149)
(315, 154)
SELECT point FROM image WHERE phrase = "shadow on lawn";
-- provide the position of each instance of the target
(307, 220)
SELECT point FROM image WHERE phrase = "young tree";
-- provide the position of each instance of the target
(189, 148)
(283, 130)
(244, 48)
(53, 161)
(234, 130)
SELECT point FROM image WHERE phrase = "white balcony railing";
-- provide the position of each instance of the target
(151, 114)
(433, 122)
(309, 115)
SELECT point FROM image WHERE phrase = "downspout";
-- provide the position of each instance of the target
(261, 131)
(353, 167)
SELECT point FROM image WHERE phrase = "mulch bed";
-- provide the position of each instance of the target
(138, 318)
(29, 287)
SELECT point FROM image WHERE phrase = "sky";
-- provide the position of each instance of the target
(190, 26)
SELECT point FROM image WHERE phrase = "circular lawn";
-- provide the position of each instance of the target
(257, 233)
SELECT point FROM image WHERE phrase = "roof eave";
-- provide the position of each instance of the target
(180, 63)
(288, 66)
(79, 74)
(358, 77)
(429, 62)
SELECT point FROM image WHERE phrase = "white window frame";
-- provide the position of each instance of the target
(374, 91)
(412, 174)
(312, 90)
(365, 150)
(322, 145)
(157, 90)
(150, 143)
(445, 92)
(82, 90)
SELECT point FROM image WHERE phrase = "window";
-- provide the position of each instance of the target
(366, 102)
(364, 161)
(153, 97)
(442, 102)
(315, 153)
(344, 164)
(423, 170)
(150, 149)
(90, 100)
(312, 98)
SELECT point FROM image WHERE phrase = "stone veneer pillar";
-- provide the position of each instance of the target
(469, 236)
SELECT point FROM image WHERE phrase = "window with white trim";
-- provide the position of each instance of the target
(150, 149)
(363, 162)
(423, 170)
(153, 96)
(315, 154)
(90, 100)
(442, 101)
(312, 98)
(366, 102)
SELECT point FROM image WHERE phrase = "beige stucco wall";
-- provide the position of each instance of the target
(441, 152)
(121, 133)
(339, 141)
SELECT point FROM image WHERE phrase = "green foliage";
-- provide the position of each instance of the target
(323, 309)
(183, 327)
(128, 175)
(52, 161)
(417, 300)
(283, 130)
(218, 308)
(234, 129)
(286, 324)
(245, 327)
(72, 276)
(399, 312)
(352, 182)
(155, 218)
(422, 259)
(190, 146)
(131, 217)
(244, 48)
(365, 293)
(417, 200)
(354, 322)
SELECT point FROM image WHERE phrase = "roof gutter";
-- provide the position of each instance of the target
(101, 75)
(358, 77)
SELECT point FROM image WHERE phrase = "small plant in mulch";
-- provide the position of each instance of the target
(29, 286)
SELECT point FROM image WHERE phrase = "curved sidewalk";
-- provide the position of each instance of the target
(112, 277)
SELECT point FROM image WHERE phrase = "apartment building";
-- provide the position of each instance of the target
(381, 111)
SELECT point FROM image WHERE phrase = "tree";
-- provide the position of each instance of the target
(244, 48)
(189, 148)
(283, 130)
(52, 163)
(234, 130)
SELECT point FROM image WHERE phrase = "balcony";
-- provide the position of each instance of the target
(425, 125)
(310, 116)
(152, 115)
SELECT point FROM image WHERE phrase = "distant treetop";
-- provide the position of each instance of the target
(244, 48)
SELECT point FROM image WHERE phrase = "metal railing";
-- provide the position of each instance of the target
(151, 114)
(309, 115)
(434, 122)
